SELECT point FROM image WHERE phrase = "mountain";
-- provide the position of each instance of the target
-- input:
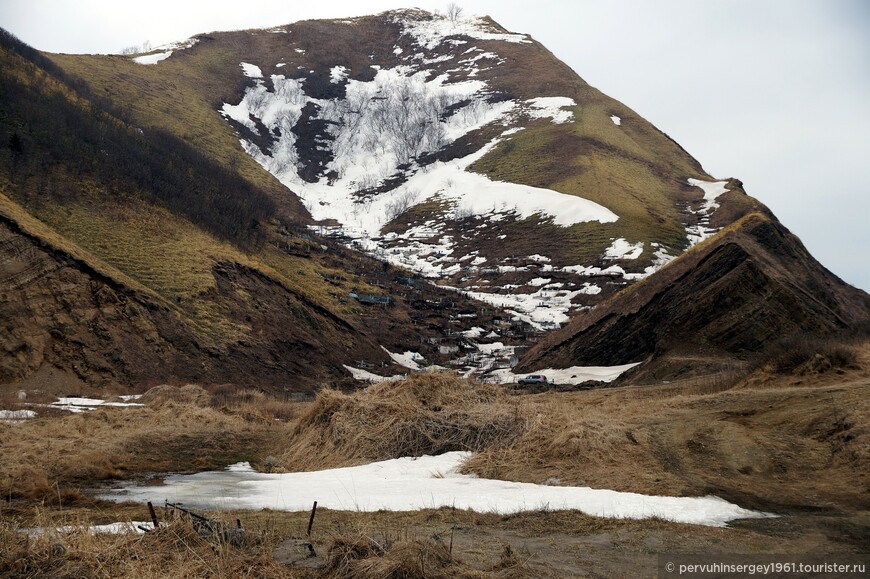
(304, 204)
(733, 296)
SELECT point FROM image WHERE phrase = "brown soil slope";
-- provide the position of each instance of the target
(732, 296)
(62, 308)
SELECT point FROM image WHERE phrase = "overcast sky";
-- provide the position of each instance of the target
(773, 92)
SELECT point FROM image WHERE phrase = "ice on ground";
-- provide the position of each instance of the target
(414, 483)
(622, 249)
(240, 467)
(551, 107)
(572, 375)
(153, 58)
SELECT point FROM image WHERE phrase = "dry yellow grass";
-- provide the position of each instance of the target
(174, 550)
(50, 458)
(36, 228)
(425, 414)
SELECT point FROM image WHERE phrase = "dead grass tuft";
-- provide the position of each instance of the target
(803, 355)
(174, 550)
(187, 394)
(428, 413)
(47, 459)
(352, 556)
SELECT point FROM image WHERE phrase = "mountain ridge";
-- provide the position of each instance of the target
(456, 152)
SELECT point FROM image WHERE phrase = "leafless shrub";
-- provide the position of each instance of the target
(454, 12)
(401, 204)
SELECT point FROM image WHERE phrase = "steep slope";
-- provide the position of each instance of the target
(750, 286)
(128, 257)
(456, 149)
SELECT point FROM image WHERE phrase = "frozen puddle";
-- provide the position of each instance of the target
(408, 484)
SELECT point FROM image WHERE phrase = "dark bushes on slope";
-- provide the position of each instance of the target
(65, 138)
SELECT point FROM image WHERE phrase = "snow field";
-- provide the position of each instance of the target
(408, 484)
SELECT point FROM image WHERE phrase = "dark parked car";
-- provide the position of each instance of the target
(533, 379)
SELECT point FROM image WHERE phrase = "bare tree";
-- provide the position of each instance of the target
(454, 12)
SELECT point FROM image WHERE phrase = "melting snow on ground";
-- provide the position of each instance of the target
(712, 190)
(573, 375)
(410, 360)
(428, 33)
(138, 527)
(366, 376)
(622, 249)
(81, 404)
(251, 70)
(153, 58)
(551, 107)
(616, 120)
(14, 415)
(409, 484)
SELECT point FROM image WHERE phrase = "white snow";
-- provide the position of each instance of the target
(712, 189)
(81, 404)
(109, 528)
(474, 332)
(622, 249)
(616, 120)
(392, 121)
(572, 375)
(409, 484)
(9, 415)
(366, 376)
(251, 70)
(153, 58)
(410, 360)
(337, 74)
(551, 107)
(429, 33)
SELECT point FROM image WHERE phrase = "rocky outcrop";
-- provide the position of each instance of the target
(731, 297)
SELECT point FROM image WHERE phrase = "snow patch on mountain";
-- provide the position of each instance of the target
(622, 249)
(152, 58)
(429, 32)
(702, 230)
(551, 107)
(251, 70)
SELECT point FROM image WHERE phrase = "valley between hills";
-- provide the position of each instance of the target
(254, 257)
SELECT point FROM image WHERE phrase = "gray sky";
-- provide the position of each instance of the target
(773, 92)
